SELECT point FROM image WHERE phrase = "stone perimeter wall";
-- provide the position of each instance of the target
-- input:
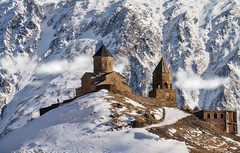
(148, 100)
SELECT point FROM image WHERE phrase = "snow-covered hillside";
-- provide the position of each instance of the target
(46, 46)
(103, 122)
(81, 126)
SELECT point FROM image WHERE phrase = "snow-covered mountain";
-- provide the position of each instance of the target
(46, 46)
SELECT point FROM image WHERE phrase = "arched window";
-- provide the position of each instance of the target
(158, 86)
(221, 116)
(208, 115)
(234, 118)
(215, 115)
(109, 64)
(170, 86)
(105, 65)
(165, 85)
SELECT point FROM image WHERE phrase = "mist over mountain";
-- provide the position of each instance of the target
(47, 45)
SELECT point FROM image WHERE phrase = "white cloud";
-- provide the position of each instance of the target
(120, 64)
(20, 63)
(52, 67)
(81, 63)
(193, 81)
(23, 64)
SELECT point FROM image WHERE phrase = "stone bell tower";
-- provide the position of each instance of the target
(103, 61)
(162, 85)
(162, 76)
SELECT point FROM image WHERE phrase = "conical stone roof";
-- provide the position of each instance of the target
(103, 51)
(162, 68)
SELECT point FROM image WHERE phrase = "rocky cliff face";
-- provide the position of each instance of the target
(46, 46)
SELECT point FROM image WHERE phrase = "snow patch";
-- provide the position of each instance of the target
(172, 131)
(46, 37)
(157, 113)
(133, 103)
(172, 115)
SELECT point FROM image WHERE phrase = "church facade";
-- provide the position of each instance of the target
(103, 76)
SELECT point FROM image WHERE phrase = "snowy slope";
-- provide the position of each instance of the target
(46, 46)
(172, 115)
(80, 126)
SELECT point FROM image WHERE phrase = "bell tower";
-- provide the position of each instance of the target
(103, 61)
(162, 76)
(162, 85)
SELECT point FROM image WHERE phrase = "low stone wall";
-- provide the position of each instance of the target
(53, 106)
(148, 100)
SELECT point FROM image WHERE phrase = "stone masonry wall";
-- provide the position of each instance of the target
(103, 64)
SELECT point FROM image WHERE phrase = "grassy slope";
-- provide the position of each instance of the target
(199, 136)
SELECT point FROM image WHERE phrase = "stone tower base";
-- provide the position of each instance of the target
(168, 95)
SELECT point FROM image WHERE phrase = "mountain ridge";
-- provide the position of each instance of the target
(39, 38)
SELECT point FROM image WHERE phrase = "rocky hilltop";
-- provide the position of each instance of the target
(104, 121)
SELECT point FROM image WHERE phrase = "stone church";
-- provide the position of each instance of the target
(103, 76)
(162, 94)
